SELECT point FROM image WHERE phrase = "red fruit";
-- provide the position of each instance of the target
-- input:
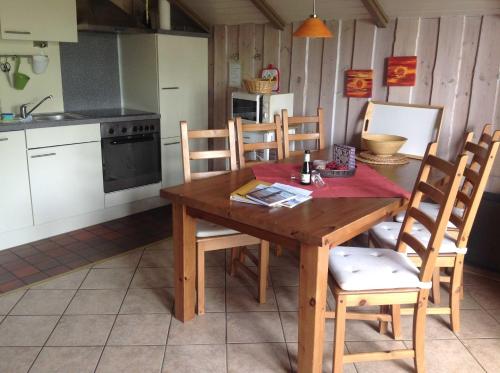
(331, 165)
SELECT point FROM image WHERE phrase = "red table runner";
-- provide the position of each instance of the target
(365, 183)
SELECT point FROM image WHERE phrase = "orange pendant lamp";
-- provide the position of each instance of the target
(313, 27)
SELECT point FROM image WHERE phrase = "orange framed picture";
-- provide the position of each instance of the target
(401, 71)
(358, 83)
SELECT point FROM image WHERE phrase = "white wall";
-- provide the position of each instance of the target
(39, 86)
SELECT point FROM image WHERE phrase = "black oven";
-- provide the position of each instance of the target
(131, 154)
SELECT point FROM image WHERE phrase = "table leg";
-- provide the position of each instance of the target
(184, 229)
(312, 306)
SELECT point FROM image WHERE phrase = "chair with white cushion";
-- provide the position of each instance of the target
(385, 277)
(210, 236)
(454, 245)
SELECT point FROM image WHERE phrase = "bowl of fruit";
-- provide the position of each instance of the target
(333, 169)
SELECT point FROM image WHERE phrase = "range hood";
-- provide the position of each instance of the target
(104, 16)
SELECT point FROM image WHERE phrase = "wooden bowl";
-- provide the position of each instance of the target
(383, 145)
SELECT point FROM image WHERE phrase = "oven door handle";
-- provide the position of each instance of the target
(132, 140)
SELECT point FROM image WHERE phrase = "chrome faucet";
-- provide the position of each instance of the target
(24, 107)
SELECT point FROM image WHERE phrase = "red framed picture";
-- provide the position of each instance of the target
(401, 71)
(358, 83)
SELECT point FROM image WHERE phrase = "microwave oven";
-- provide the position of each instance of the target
(260, 108)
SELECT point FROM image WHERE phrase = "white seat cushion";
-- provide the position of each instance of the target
(432, 210)
(358, 268)
(207, 229)
(386, 234)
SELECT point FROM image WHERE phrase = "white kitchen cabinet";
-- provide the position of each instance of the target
(15, 200)
(66, 181)
(47, 20)
(171, 157)
(172, 110)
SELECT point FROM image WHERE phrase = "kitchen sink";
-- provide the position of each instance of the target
(56, 116)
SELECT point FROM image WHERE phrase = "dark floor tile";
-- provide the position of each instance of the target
(57, 252)
(7, 256)
(78, 263)
(25, 271)
(35, 278)
(6, 277)
(69, 257)
(46, 264)
(15, 265)
(11, 285)
(46, 245)
(24, 251)
(83, 235)
(57, 270)
(64, 239)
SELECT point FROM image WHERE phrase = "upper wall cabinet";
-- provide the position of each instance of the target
(47, 20)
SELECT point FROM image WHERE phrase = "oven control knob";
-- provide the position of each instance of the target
(134, 129)
(146, 128)
(140, 128)
(124, 129)
(111, 131)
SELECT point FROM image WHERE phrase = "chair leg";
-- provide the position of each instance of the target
(396, 321)
(338, 344)
(278, 250)
(455, 291)
(436, 283)
(200, 281)
(235, 252)
(263, 270)
(419, 330)
(462, 287)
(383, 325)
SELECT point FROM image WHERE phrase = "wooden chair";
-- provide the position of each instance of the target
(317, 136)
(377, 277)
(209, 236)
(454, 247)
(259, 127)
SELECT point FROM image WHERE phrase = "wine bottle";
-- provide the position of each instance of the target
(305, 173)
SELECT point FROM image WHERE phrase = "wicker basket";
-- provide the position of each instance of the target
(259, 85)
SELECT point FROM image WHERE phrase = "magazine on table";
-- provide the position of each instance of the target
(277, 194)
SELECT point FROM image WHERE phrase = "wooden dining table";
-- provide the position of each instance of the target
(313, 227)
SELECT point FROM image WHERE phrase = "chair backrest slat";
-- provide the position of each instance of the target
(437, 228)
(244, 148)
(318, 136)
(187, 155)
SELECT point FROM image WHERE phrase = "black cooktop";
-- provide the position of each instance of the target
(112, 112)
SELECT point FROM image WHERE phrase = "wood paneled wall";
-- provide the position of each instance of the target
(458, 67)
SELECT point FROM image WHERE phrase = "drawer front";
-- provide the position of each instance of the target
(62, 135)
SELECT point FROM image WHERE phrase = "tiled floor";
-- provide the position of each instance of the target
(27, 264)
(116, 317)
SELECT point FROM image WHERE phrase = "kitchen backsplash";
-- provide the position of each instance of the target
(90, 72)
(39, 85)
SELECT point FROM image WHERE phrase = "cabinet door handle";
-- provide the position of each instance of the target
(170, 88)
(171, 143)
(18, 32)
(43, 155)
(4, 139)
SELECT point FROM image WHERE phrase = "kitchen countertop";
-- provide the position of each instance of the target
(87, 117)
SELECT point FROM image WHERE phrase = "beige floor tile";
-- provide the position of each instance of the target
(81, 330)
(215, 300)
(145, 330)
(157, 259)
(131, 359)
(67, 359)
(360, 330)
(495, 314)
(17, 359)
(108, 278)
(167, 244)
(327, 358)
(288, 259)
(148, 301)
(288, 298)
(443, 356)
(129, 260)
(215, 258)
(477, 324)
(392, 366)
(487, 296)
(208, 359)
(468, 303)
(241, 279)
(477, 280)
(65, 282)
(8, 301)
(486, 352)
(215, 277)
(206, 329)
(26, 330)
(262, 358)
(285, 276)
(254, 327)
(436, 327)
(43, 302)
(150, 278)
(290, 324)
(245, 299)
(97, 302)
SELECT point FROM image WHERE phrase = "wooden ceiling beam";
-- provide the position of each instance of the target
(377, 12)
(191, 13)
(269, 13)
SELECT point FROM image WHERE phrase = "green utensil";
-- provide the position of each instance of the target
(20, 79)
